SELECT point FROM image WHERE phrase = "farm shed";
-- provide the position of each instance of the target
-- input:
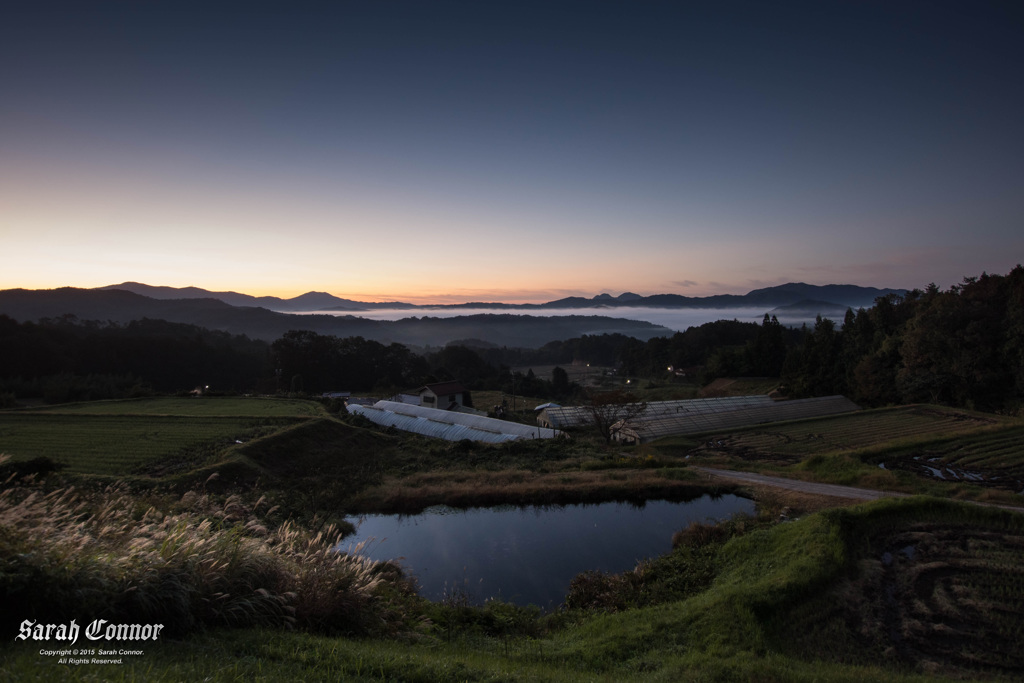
(564, 417)
(344, 395)
(647, 429)
(448, 425)
(443, 395)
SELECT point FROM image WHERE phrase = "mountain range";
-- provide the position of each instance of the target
(310, 301)
(122, 307)
(269, 318)
(844, 296)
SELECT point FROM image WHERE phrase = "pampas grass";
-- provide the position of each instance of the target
(67, 554)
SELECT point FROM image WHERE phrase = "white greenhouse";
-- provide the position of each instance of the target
(448, 425)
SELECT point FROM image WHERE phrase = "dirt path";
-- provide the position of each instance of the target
(796, 485)
(814, 488)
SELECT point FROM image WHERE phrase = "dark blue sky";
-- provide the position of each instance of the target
(517, 151)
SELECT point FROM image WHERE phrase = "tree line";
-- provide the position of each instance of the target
(67, 359)
(962, 347)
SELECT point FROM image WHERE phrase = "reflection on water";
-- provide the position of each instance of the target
(529, 555)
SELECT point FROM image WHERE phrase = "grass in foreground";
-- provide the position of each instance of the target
(793, 602)
(807, 600)
(197, 561)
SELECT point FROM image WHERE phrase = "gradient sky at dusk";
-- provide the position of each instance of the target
(516, 151)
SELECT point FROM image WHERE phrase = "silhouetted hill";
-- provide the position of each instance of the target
(849, 296)
(841, 295)
(122, 306)
(844, 296)
(310, 301)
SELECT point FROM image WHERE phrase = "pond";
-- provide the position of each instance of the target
(529, 555)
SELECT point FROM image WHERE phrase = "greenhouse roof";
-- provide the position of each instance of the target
(563, 417)
(644, 429)
(448, 425)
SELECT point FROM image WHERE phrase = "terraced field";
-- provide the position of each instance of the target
(945, 594)
(797, 440)
(153, 435)
(942, 445)
(991, 459)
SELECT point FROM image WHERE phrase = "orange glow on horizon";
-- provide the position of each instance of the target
(422, 298)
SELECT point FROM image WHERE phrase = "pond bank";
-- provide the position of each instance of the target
(483, 488)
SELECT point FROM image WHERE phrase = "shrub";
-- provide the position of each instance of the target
(698, 534)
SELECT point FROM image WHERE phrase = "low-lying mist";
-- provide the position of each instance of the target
(678, 319)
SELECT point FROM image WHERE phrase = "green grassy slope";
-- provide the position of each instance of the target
(145, 437)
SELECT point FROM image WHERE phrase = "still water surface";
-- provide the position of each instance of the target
(529, 555)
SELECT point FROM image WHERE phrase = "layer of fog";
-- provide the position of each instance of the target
(677, 319)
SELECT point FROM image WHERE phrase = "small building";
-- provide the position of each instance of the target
(343, 395)
(444, 395)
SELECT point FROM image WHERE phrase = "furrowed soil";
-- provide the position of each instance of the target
(943, 597)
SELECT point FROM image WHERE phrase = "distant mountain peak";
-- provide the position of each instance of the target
(310, 301)
(605, 297)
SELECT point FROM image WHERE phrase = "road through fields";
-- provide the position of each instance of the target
(797, 485)
(815, 488)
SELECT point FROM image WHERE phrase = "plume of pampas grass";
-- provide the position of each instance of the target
(213, 563)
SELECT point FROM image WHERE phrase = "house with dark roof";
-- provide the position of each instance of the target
(444, 395)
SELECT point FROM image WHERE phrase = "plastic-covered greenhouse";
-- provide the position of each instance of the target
(448, 425)
(642, 430)
(564, 417)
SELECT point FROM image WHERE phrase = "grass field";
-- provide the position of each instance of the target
(211, 406)
(740, 386)
(154, 435)
(857, 431)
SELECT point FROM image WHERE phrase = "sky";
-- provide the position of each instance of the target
(442, 152)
